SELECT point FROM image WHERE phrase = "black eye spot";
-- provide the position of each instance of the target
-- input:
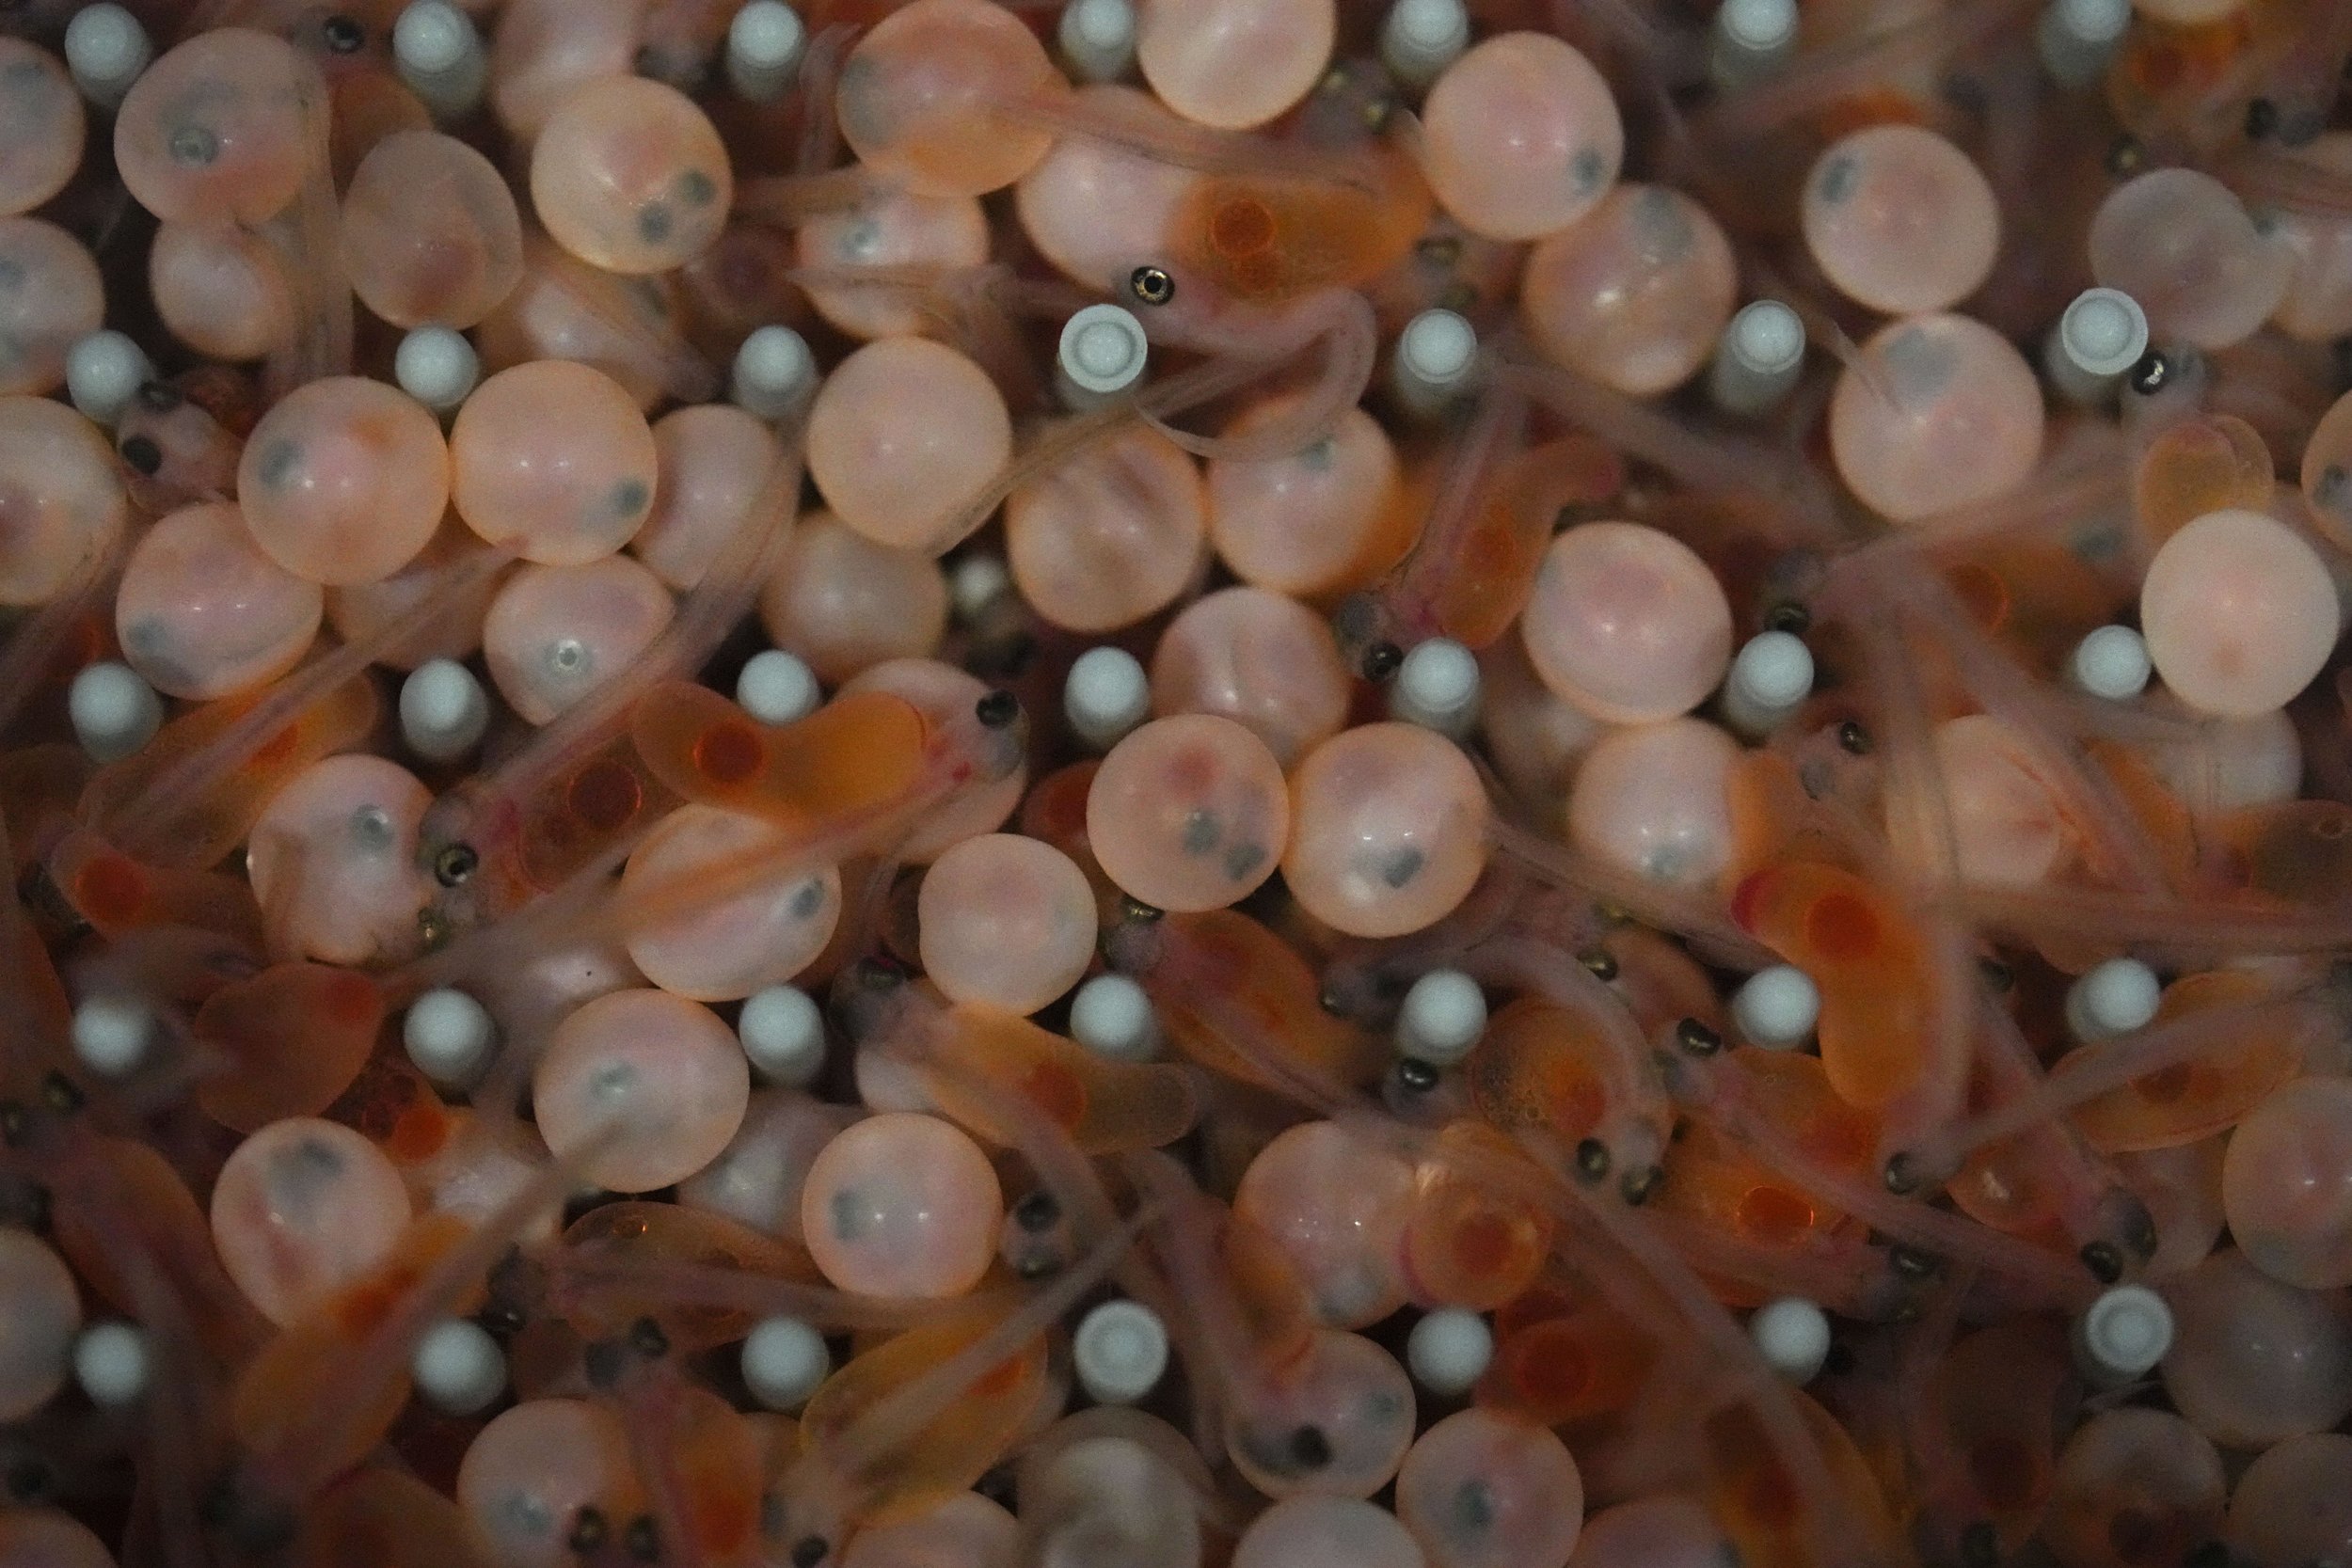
(997, 709)
(1637, 1184)
(454, 864)
(589, 1529)
(1381, 660)
(1853, 739)
(1697, 1038)
(1310, 1447)
(159, 397)
(2262, 119)
(2150, 374)
(343, 35)
(1793, 619)
(809, 1551)
(1599, 963)
(2104, 1261)
(1038, 1212)
(1152, 285)
(1901, 1177)
(143, 454)
(646, 1339)
(1591, 1159)
(1416, 1076)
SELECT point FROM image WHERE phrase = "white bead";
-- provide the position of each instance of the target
(1437, 686)
(458, 1368)
(113, 710)
(1106, 696)
(106, 49)
(1793, 1334)
(1758, 358)
(112, 1035)
(438, 52)
(764, 44)
(1098, 38)
(776, 688)
(1770, 678)
(1121, 1351)
(774, 371)
(104, 371)
(1448, 1351)
(2116, 998)
(975, 582)
(1103, 349)
(783, 1034)
(1776, 1007)
(1111, 1016)
(448, 1035)
(1435, 356)
(784, 1362)
(2076, 39)
(1442, 1018)
(1421, 38)
(1751, 39)
(443, 710)
(2123, 1334)
(110, 1363)
(436, 366)
(2104, 332)
(2111, 662)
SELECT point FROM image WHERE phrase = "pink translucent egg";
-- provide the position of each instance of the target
(1651, 799)
(1481, 1490)
(2007, 826)
(202, 612)
(2293, 1505)
(432, 576)
(1626, 623)
(1947, 414)
(648, 1087)
(2239, 613)
(630, 176)
(1900, 220)
(920, 95)
(553, 634)
(2182, 244)
(1387, 829)
(301, 1208)
(888, 227)
(758, 1176)
(1091, 206)
(343, 479)
(41, 126)
(1234, 63)
(1110, 536)
(61, 497)
(2133, 1485)
(902, 435)
(844, 603)
(39, 1314)
(51, 296)
(1188, 813)
(553, 461)
(721, 949)
(1662, 1530)
(1262, 659)
(543, 51)
(1636, 293)
(630, 328)
(2317, 306)
(1337, 1206)
(1520, 138)
(220, 290)
(946, 695)
(430, 231)
(333, 858)
(526, 1475)
(2286, 1184)
(712, 460)
(226, 126)
(1005, 921)
(1352, 1394)
(2254, 1360)
(1327, 1532)
(902, 1205)
(1312, 522)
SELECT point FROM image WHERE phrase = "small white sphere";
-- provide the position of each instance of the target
(764, 43)
(110, 1363)
(1442, 1018)
(458, 1368)
(1776, 1007)
(1121, 1352)
(784, 1362)
(106, 49)
(1759, 27)
(1437, 686)
(112, 1035)
(105, 370)
(783, 1034)
(2104, 332)
(1103, 349)
(1106, 696)
(1773, 670)
(438, 53)
(1111, 1016)
(2123, 1334)
(448, 1035)
(975, 582)
(1758, 358)
(1435, 353)
(1448, 1351)
(1421, 38)
(1793, 1334)
(437, 366)
(776, 688)
(443, 710)
(2111, 662)
(774, 371)
(113, 710)
(1098, 38)
(2117, 997)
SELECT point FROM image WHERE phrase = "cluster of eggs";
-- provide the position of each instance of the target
(1152, 784)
